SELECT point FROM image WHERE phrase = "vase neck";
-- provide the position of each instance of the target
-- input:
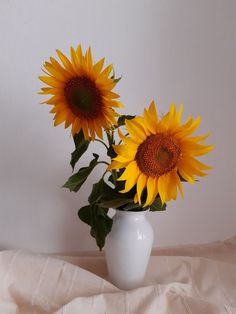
(138, 215)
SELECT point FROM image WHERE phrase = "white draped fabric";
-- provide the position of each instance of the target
(191, 279)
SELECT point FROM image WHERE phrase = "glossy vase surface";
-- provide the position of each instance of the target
(128, 248)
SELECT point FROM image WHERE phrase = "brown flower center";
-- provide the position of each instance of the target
(158, 154)
(83, 97)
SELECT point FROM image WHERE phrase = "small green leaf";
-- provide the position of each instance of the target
(117, 79)
(75, 182)
(81, 145)
(157, 205)
(111, 153)
(122, 118)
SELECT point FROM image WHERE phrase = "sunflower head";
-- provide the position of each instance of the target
(158, 154)
(81, 92)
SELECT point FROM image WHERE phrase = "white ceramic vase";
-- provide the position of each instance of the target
(128, 248)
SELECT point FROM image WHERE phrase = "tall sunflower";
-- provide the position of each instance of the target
(159, 153)
(81, 92)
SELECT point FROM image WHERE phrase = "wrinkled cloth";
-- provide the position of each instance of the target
(191, 279)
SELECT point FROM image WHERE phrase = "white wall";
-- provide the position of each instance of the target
(167, 50)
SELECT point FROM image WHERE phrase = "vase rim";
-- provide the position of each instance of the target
(131, 211)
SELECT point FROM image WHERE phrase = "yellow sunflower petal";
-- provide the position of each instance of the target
(162, 188)
(197, 164)
(135, 130)
(141, 183)
(116, 165)
(60, 117)
(54, 72)
(130, 175)
(76, 126)
(84, 125)
(152, 190)
(171, 186)
(75, 60)
(89, 58)
(51, 81)
(152, 112)
(186, 173)
(98, 129)
(79, 52)
(136, 198)
(196, 149)
(59, 68)
(107, 70)
(98, 66)
(67, 64)
(176, 179)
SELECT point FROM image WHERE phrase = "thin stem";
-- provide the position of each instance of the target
(110, 137)
(103, 162)
(104, 174)
(114, 176)
(97, 140)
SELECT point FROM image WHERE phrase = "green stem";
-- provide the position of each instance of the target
(114, 176)
(97, 140)
(103, 162)
(104, 174)
(110, 137)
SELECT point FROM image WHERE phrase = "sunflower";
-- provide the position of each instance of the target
(158, 154)
(81, 92)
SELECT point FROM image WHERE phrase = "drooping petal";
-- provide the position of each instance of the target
(130, 176)
(162, 188)
(152, 190)
(141, 184)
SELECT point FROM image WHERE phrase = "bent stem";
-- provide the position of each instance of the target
(97, 140)
(103, 162)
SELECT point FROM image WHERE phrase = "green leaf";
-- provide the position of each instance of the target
(95, 195)
(81, 145)
(111, 152)
(102, 225)
(75, 182)
(107, 197)
(121, 119)
(157, 205)
(117, 79)
(131, 206)
(85, 214)
(96, 217)
(111, 179)
(114, 202)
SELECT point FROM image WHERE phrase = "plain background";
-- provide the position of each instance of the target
(167, 50)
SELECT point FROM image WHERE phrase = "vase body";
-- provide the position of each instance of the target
(128, 248)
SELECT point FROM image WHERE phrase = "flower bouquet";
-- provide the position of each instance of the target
(148, 156)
